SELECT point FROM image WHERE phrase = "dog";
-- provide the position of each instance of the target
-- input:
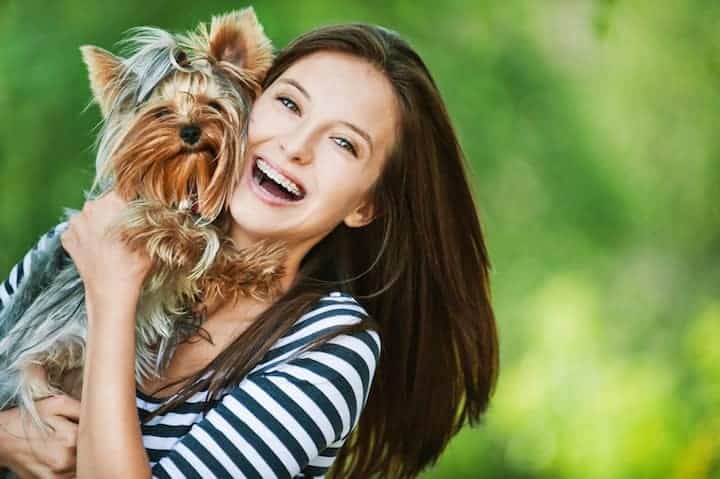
(172, 145)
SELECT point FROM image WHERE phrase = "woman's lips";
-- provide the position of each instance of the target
(262, 193)
(276, 167)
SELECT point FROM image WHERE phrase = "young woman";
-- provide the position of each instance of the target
(386, 249)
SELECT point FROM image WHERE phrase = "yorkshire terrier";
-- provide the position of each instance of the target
(172, 145)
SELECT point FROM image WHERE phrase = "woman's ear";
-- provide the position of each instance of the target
(361, 216)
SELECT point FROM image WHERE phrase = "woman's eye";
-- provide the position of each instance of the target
(343, 143)
(289, 104)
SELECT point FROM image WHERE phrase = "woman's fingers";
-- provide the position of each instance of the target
(92, 223)
(48, 452)
(76, 233)
(62, 405)
(59, 450)
(104, 209)
(68, 238)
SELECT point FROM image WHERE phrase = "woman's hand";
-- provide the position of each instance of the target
(110, 270)
(31, 452)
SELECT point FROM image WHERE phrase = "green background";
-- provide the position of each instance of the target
(591, 129)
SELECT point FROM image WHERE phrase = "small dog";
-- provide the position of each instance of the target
(172, 145)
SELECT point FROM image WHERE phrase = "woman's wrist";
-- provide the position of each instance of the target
(120, 298)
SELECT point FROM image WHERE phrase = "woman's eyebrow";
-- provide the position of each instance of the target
(292, 82)
(360, 132)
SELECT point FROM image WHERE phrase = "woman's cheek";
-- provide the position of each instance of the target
(261, 116)
(265, 114)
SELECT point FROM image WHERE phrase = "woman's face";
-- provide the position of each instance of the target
(324, 128)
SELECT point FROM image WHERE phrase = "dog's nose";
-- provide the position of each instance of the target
(190, 134)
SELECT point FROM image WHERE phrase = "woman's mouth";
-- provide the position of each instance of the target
(274, 183)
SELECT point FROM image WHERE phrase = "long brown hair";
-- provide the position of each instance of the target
(420, 269)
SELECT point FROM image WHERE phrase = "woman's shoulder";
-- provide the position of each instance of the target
(336, 304)
(338, 310)
(335, 311)
(333, 314)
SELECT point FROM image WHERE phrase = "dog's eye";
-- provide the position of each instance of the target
(161, 112)
(215, 106)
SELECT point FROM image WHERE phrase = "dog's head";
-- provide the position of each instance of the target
(175, 111)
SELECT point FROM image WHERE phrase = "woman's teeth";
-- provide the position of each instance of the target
(290, 186)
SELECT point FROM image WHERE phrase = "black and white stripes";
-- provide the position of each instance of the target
(287, 418)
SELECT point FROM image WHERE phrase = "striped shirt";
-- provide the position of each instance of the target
(289, 415)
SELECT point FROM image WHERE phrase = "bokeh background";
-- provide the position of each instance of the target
(591, 129)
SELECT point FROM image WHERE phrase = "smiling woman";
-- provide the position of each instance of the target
(325, 127)
(383, 343)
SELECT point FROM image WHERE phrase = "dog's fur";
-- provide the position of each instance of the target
(171, 144)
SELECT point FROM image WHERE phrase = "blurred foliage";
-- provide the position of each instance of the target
(591, 132)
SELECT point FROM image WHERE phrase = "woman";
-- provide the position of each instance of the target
(351, 115)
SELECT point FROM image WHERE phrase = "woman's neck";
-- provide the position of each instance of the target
(296, 253)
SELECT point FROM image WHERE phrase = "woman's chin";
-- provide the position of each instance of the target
(245, 233)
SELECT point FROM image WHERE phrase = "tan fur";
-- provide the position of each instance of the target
(236, 44)
(155, 163)
(254, 272)
(176, 245)
(102, 67)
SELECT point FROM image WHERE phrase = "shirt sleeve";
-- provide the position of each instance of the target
(283, 421)
(23, 268)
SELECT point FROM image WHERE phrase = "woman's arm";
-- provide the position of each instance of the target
(109, 436)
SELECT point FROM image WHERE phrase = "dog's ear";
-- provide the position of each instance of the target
(238, 44)
(105, 70)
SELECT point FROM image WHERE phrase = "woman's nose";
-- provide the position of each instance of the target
(297, 146)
